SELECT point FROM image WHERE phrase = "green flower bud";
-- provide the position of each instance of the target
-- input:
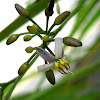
(58, 8)
(27, 37)
(29, 49)
(45, 38)
(23, 68)
(32, 29)
(61, 17)
(72, 42)
(50, 76)
(23, 12)
(12, 39)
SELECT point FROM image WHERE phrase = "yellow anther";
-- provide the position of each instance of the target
(62, 62)
(57, 65)
(65, 61)
(67, 67)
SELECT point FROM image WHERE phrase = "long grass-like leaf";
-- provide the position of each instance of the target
(82, 14)
(90, 23)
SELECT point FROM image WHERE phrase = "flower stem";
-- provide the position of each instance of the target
(12, 88)
(24, 33)
(34, 22)
(49, 50)
(31, 57)
(33, 35)
(39, 35)
(51, 27)
(1, 93)
(47, 21)
(4, 85)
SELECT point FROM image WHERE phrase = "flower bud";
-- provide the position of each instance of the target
(27, 37)
(50, 76)
(61, 17)
(45, 38)
(72, 42)
(23, 68)
(23, 12)
(32, 29)
(29, 49)
(12, 39)
(58, 8)
(49, 10)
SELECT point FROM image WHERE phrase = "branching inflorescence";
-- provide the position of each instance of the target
(51, 59)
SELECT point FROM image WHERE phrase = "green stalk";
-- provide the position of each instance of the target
(38, 35)
(50, 50)
(82, 16)
(33, 35)
(24, 33)
(88, 25)
(1, 93)
(47, 21)
(34, 23)
(51, 27)
(31, 57)
(6, 84)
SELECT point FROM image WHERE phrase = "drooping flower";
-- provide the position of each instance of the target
(58, 60)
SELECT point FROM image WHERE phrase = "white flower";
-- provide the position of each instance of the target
(61, 65)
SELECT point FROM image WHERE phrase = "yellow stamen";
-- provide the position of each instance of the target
(62, 62)
(68, 67)
(65, 61)
(59, 70)
(57, 65)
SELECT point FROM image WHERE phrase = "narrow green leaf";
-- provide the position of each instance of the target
(94, 95)
(82, 15)
(89, 24)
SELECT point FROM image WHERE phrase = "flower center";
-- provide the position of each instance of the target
(62, 66)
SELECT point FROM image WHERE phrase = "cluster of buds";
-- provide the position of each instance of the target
(51, 59)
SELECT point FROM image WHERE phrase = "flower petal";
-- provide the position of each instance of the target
(45, 55)
(45, 67)
(59, 48)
